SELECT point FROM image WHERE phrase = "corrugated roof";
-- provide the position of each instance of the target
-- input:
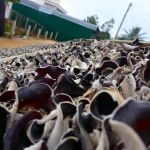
(54, 11)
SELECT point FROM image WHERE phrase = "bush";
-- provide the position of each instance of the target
(22, 33)
(104, 35)
(8, 28)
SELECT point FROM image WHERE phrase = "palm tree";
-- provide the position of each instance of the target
(132, 34)
(3, 4)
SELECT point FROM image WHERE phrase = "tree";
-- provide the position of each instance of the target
(92, 19)
(108, 25)
(3, 4)
(104, 35)
(105, 27)
(132, 33)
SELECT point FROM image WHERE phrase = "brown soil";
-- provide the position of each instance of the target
(16, 42)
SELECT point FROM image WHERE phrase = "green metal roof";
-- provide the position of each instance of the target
(53, 10)
(67, 28)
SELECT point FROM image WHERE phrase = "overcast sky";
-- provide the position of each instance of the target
(139, 13)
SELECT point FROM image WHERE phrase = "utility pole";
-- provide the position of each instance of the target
(123, 20)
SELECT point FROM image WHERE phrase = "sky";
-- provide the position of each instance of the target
(138, 14)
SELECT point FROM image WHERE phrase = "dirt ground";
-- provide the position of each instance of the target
(14, 43)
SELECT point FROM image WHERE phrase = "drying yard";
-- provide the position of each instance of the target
(75, 95)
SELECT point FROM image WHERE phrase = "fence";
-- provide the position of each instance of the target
(24, 22)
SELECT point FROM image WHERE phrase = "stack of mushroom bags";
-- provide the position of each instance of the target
(76, 95)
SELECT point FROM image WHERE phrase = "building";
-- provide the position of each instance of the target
(8, 9)
(54, 19)
(52, 4)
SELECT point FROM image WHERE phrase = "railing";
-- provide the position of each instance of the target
(23, 22)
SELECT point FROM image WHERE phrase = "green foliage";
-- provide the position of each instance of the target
(104, 35)
(108, 25)
(8, 28)
(121, 38)
(21, 33)
(131, 34)
(105, 28)
(92, 19)
(13, 1)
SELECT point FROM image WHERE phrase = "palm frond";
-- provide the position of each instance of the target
(133, 33)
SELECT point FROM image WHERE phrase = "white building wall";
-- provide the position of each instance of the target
(55, 1)
(8, 9)
(41, 2)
